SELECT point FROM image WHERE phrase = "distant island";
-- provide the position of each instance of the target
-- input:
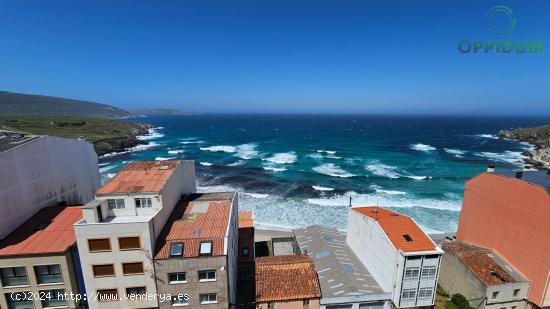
(158, 111)
(539, 137)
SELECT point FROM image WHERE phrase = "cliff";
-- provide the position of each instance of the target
(539, 137)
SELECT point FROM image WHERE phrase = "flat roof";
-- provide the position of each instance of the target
(283, 278)
(140, 176)
(401, 230)
(48, 231)
(485, 264)
(197, 217)
(343, 278)
(9, 139)
(541, 178)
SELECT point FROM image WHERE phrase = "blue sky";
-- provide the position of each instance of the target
(276, 56)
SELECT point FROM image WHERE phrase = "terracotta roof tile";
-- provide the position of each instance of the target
(280, 278)
(48, 231)
(401, 230)
(142, 176)
(246, 219)
(198, 217)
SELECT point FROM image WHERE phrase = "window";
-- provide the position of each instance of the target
(103, 270)
(176, 249)
(209, 298)
(133, 292)
(245, 251)
(107, 295)
(425, 293)
(12, 276)
(129, 243)
(412, 273)
(54, 298)
(99, 245)
(495, 294)
(115, 203)
(409, 294)
(429, 271)
(206, 248)
(174, 278)
(144, 202)
(306, 304)
(408, 237)
(179, 300)
(516, 292)
(207, 275)
(48, 274)
(132, 268)
(18, 300)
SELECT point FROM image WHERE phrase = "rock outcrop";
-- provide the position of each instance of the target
(539, 137)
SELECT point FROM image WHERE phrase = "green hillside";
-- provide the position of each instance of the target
(29, 104)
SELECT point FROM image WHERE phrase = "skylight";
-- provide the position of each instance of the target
(408, 237)
(176, 249)
(206, 248)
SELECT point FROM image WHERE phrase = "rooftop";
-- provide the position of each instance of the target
(142, 176)
(48, 231)
(486, 265)
(246, 219)
(9, 140)
(197, 218)
(541, 178)
(281, 278)
(401, 230)
(343, 278)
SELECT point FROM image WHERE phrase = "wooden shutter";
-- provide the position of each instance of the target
(103, 244)
(129, 243)
(132, 268)
(104, 270)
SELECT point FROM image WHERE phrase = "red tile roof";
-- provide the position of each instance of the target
(142, 176)
(282, 278)
(48, 231)
(198, 217)
(397, 227)
(246, 219)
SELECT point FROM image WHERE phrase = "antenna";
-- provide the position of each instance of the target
(350, 201)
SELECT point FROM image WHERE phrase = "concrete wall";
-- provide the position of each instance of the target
(497, 209)
(65, 261)
(232, 249)
(193, 287)
(456, 278)
(117, 257)
(292, 304)
(44, 172)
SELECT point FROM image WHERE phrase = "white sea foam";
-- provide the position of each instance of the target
(191, 142)
(103, 169)
(316, 156)
(111, 175)
(456, 152)
(256, 195)
(164, 158)
(422, 147)
(491, 136)
(319, 188)
(379, 189)
(507, 156)
(274, 169)
(334, 157)
(247, 151)
(133, 149)
(417, 177)
(206, 163)
(153, 134)
(238, 163)
(175, 151)
(283, 158)
(333, 170)
(103, 164)
(222, 148)
(326, 151)
(383, 170)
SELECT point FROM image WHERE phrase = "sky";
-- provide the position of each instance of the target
(279, 56)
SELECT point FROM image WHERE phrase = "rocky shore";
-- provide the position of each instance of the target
(539, 137)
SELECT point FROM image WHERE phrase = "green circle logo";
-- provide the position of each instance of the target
(501, 19)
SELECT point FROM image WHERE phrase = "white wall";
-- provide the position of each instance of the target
(42, 173)
(232, 249)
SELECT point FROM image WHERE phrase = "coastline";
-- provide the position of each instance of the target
(538, 138)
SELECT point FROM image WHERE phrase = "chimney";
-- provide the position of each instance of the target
(519, 174)
(490, 168)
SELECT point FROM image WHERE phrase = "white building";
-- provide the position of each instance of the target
(117, 236)
(40, 171)
(399, 255)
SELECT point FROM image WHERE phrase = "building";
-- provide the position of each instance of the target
(196, 258)
(508, 213)
(400, 256)
(482, 277)
(117, 235)
(344, 281)
(40, 258)
(286, 282)
(40, 171)
(247, 254)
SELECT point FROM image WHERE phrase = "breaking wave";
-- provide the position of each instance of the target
(332, 170)
(422, 147)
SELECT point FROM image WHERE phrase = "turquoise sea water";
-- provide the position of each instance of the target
(295, 170)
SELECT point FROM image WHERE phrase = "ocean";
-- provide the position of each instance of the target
(297, 170)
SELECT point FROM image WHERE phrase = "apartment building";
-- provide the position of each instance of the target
(117, 234)
(40, 171)
(400, 256)
(247, 255)
(196, 258)
(508, 212)
(483, 277)
(286, 282)
(39, 265)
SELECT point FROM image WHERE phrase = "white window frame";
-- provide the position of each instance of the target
(147, 201)
(185, 302)
(423, 290)
(431, 269)
(208, 301)
(207, 272)
(118, 203)
(412, 270)
(177, 274)
(409, 292)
